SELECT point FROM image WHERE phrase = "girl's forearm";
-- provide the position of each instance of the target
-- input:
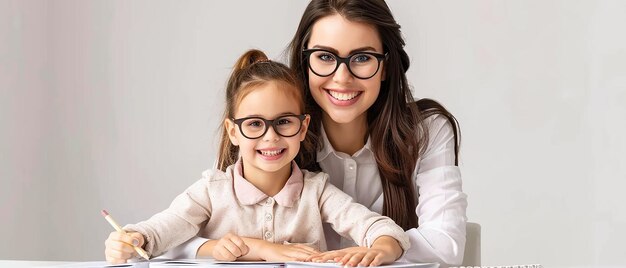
(255, 246)
(206, 250)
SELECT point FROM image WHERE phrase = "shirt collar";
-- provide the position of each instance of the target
(328, 148)
(248, 194)
(366, 148)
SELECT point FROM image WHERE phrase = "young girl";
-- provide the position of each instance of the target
(260, 205)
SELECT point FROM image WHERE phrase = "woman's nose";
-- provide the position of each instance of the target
(342, 75)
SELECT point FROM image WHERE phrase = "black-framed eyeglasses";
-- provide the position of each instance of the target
(254, 127)
(363, 65)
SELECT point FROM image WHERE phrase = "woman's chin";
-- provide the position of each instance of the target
(344, 117)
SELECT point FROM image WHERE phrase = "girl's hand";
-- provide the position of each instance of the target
(290, 252)
(229, 248)
(119, 247)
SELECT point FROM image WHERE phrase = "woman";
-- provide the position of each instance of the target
(393, 155)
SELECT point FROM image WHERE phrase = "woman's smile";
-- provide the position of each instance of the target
(343, 97)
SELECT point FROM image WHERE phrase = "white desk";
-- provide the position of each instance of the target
(23, 264)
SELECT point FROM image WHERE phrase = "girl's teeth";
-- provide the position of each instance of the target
(343, 96)
(271, 153)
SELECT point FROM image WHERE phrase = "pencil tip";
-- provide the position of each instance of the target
(104, 213)
(145, 255)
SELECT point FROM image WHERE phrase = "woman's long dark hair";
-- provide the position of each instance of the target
(396, 125)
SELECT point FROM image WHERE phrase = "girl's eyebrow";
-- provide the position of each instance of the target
(361, 49)
(278, 115)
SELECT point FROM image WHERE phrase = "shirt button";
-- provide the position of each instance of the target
(269, 201)
(268, 235)
(268, 217)
(351, 166)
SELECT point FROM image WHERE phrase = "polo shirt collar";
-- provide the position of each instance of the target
(248, 194)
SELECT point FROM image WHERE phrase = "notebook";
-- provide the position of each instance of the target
(165, 263)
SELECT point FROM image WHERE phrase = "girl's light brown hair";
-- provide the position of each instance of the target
(254, 69)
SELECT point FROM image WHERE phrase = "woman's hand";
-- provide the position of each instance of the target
(384, 250)
(354, 256)
(229, 248)
(119, 247)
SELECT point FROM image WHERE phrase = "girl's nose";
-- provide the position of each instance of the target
(271, 135)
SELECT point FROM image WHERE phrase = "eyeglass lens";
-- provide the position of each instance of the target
(255, 127)
(325, 63)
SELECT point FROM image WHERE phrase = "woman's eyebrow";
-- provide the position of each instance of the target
(361, 49)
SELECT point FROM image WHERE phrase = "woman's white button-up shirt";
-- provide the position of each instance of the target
(441, 207)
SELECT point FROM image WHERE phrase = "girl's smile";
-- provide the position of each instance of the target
(271, 154)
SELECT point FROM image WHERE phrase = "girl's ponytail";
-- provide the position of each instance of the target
(252, 56)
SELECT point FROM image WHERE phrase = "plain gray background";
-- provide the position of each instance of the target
(116, 105)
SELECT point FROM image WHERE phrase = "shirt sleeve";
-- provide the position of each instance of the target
(182, 220)
(442, 205)
(189, 249)
(356, 221)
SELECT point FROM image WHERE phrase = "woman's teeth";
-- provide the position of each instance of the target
(342, 96)
(271, 153)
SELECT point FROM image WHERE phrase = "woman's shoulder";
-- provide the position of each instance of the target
(437, 122)
(433, 113)
(441, 129)
(441, 132)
